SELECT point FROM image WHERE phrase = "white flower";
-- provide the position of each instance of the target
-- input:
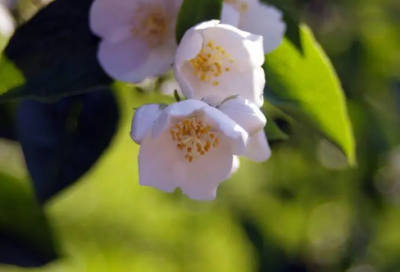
(257, 148)
(138, 37)
(192, 145)
(255, 17)
(7, 24)
(220, 60)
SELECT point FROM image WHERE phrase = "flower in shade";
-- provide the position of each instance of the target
(220, 60)
(7, 24)
(138, 37)
(191, 145)
(256, 17)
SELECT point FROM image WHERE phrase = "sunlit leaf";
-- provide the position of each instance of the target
(302, 83)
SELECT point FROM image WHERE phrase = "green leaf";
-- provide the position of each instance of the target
(24, 222)
(53, 55)
(302, 83)
(194, 12)
(10, 76)
(274, 133)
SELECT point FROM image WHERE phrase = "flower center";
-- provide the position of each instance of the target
(239, 6)
(151, 24)
(193, 138)
(211, 62)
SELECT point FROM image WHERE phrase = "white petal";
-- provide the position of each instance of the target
(235, 165)
(159, 163)
(7, 24)
(132, 61)
(235, 134)
(178, 110)
(249, 85)
(160, 60)
(205, 173)
(245, 78)
(143, 120)
(190, 45)
(169, 87)
(121, 60)
(244, 47)
(266, 21)
(258, 148)
(229, 15)
(245, 113)
(109, 19)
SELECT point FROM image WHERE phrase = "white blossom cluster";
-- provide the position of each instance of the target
(192, 144)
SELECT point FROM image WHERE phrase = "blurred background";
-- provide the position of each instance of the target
(70, 199)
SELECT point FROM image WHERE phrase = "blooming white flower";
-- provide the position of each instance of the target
(256, 17)
(220, 60)
(138, 37)
(192, 145)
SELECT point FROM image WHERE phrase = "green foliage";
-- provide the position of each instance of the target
(22, 218)
(194, 12)
(11, 77)
(274, 133)
(302, 82)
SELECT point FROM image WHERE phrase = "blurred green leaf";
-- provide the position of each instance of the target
(274, 133)
(303, 84)
(194, 12)
(23, 225)
(11, 77)
(56, 54)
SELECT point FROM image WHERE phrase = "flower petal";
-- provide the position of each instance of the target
(229, 15)
(188, 48)
(266, 21)
(110, 20)
(242, 76)
(132, 61)
(159, 163)
(143, 120)
(120, 60)
(235, 134)
(7, 24)
(245, 113)
(178, 110)
(235, 165)
(205, 173)
(249, 85)
(244, 47)
(258, 148)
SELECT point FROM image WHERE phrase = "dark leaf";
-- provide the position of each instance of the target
(62, 141)
(55, 52)
(194, 12)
